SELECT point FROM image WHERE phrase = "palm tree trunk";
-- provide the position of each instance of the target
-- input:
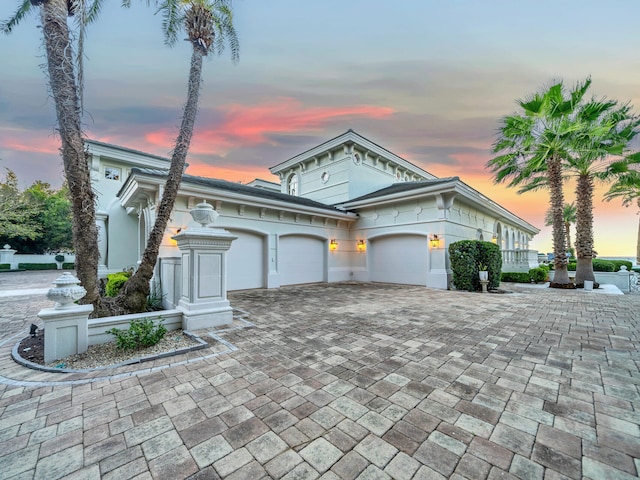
(584, 230)
(133, 296)
(561, 275)
(64, 88)
(638, 241)
(567, 233)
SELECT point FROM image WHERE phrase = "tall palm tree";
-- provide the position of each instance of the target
(531, 146)
(607, 130)
(65, 80)
(568, 219)
(627, 188)
(209, 27)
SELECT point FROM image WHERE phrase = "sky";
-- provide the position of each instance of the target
(428, 80)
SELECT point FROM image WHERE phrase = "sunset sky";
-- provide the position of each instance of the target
(428, 80)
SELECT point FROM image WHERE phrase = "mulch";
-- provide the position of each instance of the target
(32, 348)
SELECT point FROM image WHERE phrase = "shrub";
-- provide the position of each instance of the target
(59, 258)
(69, 266)
(603, 265)
(572, 266)
(466, 256)
(37, 266)
(115, 281)
(618, 263)
(538, 274)
(5, 266)
(141, 334)
(516, 277)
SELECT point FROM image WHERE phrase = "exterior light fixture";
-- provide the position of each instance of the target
(434, 240)
(361, 245)
(333, 245)
(494, 239)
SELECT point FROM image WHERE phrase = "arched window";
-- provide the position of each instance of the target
(292, 184)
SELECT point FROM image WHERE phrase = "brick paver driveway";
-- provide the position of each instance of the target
(353, 381)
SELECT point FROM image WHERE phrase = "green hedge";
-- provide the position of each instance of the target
(516, 277)
(37, 266)
(619, 263)
(68, 266)
(600, 265)
(5, 266)
(466, 256)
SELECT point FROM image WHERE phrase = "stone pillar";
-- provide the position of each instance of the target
(6, 256)
(439, 274)
(103, 243)
(204, 271)
(66, 330)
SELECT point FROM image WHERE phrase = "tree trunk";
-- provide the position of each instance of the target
(133, 296)
(584, 230)
(638, 241)
(567, 233)
(561, 275)
(65, 94)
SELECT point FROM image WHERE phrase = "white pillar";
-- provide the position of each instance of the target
(103, 243)
(204, 272)
(6, 256)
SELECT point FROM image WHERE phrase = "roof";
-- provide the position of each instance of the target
(350, 137)
(251, 191)
(403, 187)
(125, 149)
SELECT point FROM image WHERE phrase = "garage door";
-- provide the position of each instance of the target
(245, 262)
(300, 260)
(399, 259)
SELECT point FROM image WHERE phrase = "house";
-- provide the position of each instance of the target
(347, 209)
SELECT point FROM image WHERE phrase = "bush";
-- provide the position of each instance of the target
(572, 266)
(37, 266)
(59, 258)
(68, 266)
(603, 265)
(618, 263)
(141, 334)
(5, 266)
(115, 281)
(538, 274)
(466, 256)
(516, 277)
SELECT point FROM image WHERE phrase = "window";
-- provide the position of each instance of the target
(292, 185)
(325, 177)
(112, 173)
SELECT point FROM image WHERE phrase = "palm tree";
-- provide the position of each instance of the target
(209, 27)
(65, 80)
(627, 187)
(568, 218)
(607, 130)
(532, 146)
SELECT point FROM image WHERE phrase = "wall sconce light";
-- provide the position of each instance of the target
(333, 245)
(494, 239)
(434, 240)
(361, 245)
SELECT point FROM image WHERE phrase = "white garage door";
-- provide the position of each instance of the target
(399, 259)
(245, 262)
(300, 260)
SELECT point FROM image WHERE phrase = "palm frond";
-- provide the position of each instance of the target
(8, 25)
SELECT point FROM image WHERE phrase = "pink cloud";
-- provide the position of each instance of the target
(251, 124)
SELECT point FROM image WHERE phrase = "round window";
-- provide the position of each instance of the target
(357, 159)
(324, 177)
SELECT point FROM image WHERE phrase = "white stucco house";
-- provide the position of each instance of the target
(347, 209)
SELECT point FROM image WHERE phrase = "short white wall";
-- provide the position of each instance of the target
(619, 279)
(98, 327)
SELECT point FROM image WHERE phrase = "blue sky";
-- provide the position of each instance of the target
(427, 80)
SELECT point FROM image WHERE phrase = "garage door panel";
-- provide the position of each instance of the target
(245, 262)
(300, 260)
(399, 259)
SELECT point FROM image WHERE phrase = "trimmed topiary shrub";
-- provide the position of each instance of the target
(538, 274)
(68, 266)
(5, 266)
(603, 265)
(466, 256)
(115, 281)
(516, 277)
(59, 258)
